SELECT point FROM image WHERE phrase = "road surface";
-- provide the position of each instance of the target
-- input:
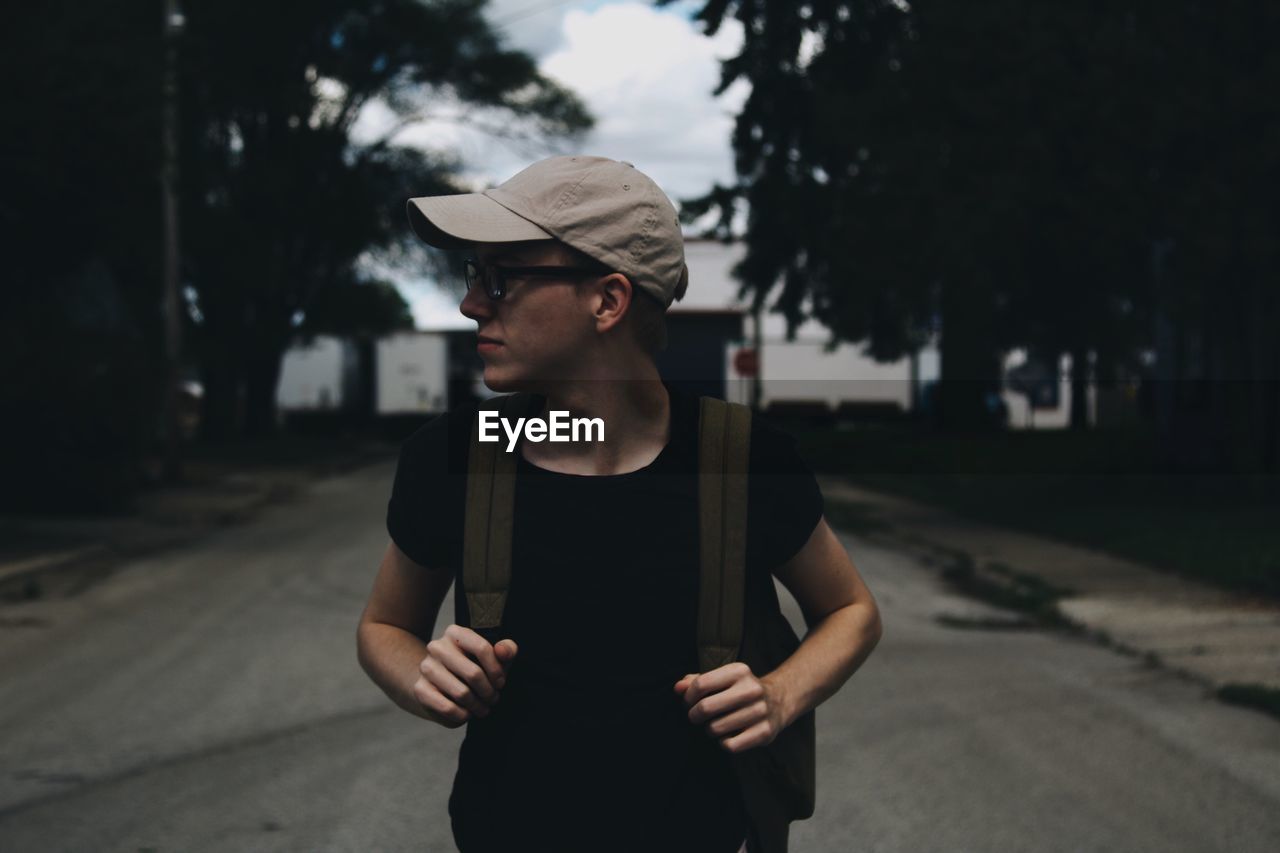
(210, 700)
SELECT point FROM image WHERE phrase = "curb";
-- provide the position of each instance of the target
(168, 519)
(1120, 621)
(18, 571)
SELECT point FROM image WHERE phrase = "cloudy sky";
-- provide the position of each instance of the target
(645, 73)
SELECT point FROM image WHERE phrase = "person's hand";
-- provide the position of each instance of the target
(461, 676)
(739, 710)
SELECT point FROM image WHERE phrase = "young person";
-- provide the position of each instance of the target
(589, 726)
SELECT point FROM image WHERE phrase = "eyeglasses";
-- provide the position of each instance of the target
(495, 277)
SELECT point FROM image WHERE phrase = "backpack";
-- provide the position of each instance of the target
(777, 780)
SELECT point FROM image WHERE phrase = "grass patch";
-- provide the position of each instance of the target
(1103, 489)
(1255, 696)
(1008, 589)
(984, 623)
(1035, 588)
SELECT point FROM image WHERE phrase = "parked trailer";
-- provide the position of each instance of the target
(801, 378)
(316, 376)
(412, 373)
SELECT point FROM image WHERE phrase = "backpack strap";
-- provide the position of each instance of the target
(487, 531)
(724, 443)
(724, 435)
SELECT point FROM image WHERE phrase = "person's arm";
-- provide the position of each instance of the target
(401, 612)
(448, 680)
(843, 619)
(744, 710)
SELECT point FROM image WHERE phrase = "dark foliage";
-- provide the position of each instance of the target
(280, 204)
(1091, 178)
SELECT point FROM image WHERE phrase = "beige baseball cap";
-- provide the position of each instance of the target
(607, 209)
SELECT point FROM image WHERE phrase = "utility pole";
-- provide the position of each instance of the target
(757, 342)
(173, 25)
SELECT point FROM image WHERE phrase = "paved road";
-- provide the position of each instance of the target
(211, 700)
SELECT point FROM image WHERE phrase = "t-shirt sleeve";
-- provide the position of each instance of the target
(424, 511)
(784, 500)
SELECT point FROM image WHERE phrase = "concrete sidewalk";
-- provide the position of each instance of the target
(58, 556)
(1217, 637)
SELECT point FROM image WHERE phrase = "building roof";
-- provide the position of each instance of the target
(713, 288)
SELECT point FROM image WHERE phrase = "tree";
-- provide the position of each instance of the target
(79, 325)
(939, 166)
(1212, 127)
(357, 309)
(279, 202)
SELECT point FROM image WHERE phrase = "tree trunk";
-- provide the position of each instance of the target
(969, 386)
(218, 414)
(1079, 388)
(1269, 387)
(261, 381)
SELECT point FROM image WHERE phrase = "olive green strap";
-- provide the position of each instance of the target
(490, 512)
(724, 445)
(724, 441)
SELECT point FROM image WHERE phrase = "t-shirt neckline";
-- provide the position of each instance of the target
(674, 438)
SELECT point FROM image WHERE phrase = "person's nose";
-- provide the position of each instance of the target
(476, 305)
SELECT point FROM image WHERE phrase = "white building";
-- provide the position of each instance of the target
(796, 371)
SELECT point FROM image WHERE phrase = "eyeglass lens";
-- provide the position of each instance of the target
(489, 277)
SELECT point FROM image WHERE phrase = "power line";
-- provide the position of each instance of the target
(529, 12)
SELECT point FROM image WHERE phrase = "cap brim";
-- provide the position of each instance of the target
(456, 221)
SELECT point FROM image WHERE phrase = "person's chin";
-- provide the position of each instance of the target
(502, 379)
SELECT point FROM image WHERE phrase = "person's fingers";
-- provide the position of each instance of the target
(683, 684)
(506, 650)
(482, 669)
(438, 705)
(454, 688)
(444, 653)
(730, 723)
(736, 695)
(758, 735)
(716, 680)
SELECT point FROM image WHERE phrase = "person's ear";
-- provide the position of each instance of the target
(615, 293)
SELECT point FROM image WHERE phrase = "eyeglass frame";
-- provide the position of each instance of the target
(495, 276)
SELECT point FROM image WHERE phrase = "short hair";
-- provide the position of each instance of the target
(648, 314)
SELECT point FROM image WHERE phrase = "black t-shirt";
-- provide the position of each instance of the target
(590, 747)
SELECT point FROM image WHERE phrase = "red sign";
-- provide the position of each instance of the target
(746, 362)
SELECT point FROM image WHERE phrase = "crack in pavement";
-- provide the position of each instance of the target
(89, 784)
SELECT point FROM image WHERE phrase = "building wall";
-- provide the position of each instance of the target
(1023, 416)
(798, 370)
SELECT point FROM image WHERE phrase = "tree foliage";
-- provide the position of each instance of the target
(359, 309)
(79, 215)
(280, 200)
(1060, 177)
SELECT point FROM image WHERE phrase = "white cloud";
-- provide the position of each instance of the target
(534, 26)
(648, 76)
